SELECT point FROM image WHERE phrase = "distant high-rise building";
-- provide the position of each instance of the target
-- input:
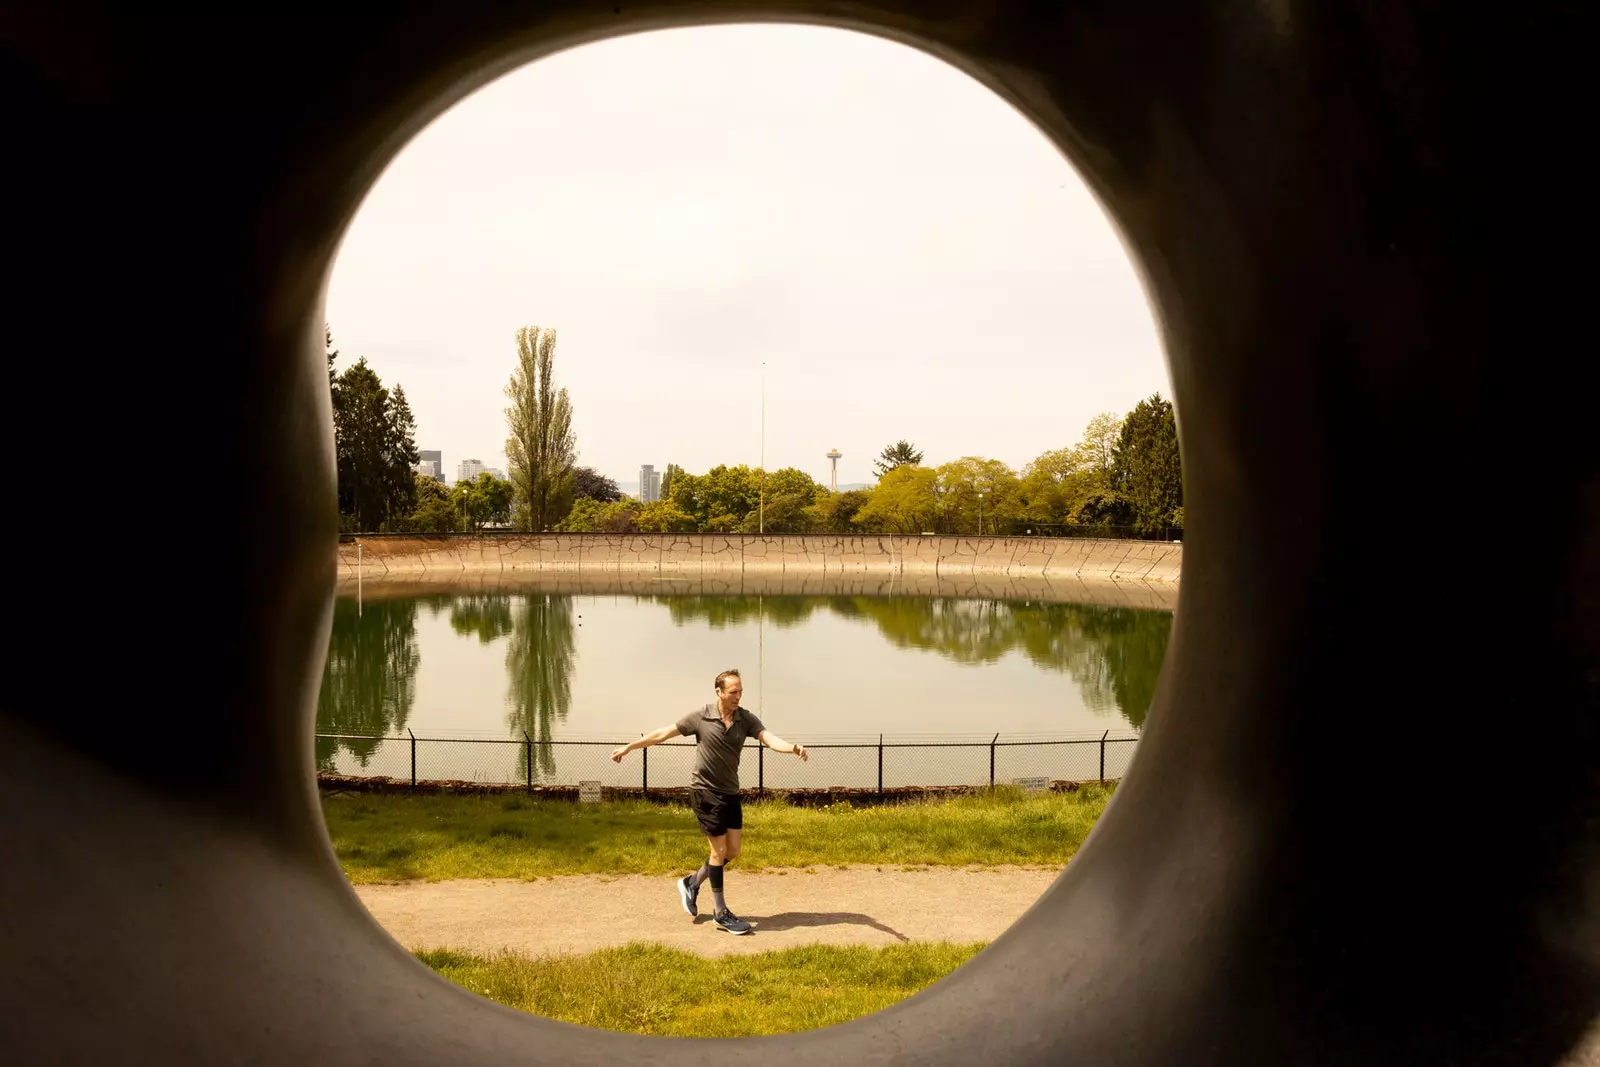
(431, 463)
(469, 469)
(649, 484)
(497, 472)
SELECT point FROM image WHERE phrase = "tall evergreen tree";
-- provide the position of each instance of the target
(900, 454)
(1146, 468)
(375, 448)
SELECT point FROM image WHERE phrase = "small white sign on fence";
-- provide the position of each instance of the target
(589, 792)
(1033, 785)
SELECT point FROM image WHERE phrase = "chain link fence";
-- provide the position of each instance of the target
(881, 762)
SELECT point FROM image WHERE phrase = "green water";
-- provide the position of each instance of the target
(541, 666)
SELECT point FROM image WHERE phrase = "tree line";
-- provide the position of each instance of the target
(1122, 478)
(375, 445)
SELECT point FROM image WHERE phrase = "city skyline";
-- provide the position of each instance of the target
(907, 255)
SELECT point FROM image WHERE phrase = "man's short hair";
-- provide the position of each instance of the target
(725, 674)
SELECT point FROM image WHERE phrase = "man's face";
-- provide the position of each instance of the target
(732, 690)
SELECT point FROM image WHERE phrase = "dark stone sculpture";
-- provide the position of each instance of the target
(1359, 225)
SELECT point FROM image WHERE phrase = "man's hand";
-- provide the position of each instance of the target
(618, 752)
(800, 750)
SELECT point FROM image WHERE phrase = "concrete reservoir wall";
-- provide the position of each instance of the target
(435, 555)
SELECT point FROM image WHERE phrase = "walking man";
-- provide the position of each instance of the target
(719, 730)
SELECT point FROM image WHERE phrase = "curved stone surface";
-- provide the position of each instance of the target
(1351, 220)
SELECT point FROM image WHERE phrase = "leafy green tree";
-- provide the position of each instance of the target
(484, 501)
(790, 493)
(542, 450)
(905, 501)
(1072, 485)
(900, 454)
(590, 484)
(1147, 470)
(976, 495)
(685, 494)
(583, 518)
(833, 512)
(662, 516)
(375, 447)
(625, 516)
(672, 472)
(725, 494)
(434, 513)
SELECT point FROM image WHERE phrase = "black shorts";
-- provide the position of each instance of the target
(718, 812)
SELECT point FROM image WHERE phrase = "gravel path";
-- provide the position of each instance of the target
(580, 913)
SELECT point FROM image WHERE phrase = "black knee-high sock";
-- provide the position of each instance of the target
(716, 887)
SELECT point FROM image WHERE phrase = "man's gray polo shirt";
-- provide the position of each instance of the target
(717, 747)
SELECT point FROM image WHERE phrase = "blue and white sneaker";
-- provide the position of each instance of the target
(689, 894)
(727, 920)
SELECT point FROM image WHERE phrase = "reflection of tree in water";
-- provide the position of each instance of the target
(369, 683)
(1113, 654)
(540, 661)
(720, 612)
(488, 617)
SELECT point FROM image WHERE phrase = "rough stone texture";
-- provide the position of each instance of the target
(697, 555)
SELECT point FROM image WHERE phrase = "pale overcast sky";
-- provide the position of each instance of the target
(909, 256)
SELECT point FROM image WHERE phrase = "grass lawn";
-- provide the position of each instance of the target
(386, 837)
(648, 989)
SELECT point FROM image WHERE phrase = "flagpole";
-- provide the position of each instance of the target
(761, 517)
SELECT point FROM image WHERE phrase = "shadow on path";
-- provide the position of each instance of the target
(797, 920)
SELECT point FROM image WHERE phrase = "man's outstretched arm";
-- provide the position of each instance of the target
(655, 737)
(778, 744)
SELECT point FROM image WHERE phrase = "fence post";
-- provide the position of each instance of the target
(529, 746)
(1103, 756)
(991, 759)
(413, 757)
(880, 763)
(644, 780)
(761, 769)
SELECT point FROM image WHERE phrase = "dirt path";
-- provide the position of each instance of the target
(853, 906)
(580, 913)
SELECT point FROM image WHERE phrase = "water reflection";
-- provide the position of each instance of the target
(725, 612)
(486, 617)
(505, 663)
(540, 663)
(369, 683)
(1113, 654)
